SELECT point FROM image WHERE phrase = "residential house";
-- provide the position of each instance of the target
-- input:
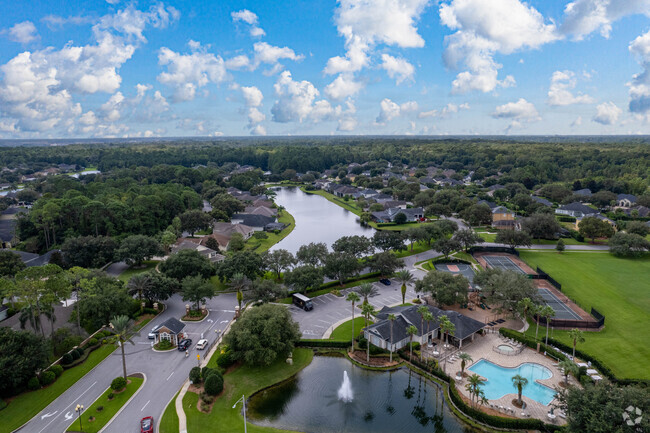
(189, 244)
(625, 200)
(576, 210)
(170, 330)
(256, 222)
(388, 215)
(503, 218)
(367, 193)
(261, 210)
(383, 198)
(271, 227)
(222, 240)
(493, 188)
(585, 192)
(227, 229)
(343, 190)
(379, 333)
(394, 204)
(601, 217)
(492, 205)
(541, 200)
(640, 211)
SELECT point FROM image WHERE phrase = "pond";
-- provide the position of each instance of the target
(382, 402)
(317, 220)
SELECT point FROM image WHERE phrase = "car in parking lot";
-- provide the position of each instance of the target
(184, 344)
(152, 334)
(146, 425)
(202, 344)
(385, 281)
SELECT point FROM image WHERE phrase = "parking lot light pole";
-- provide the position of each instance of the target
(243, 400)
(80, 409)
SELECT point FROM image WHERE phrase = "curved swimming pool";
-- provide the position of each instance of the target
(499, 380)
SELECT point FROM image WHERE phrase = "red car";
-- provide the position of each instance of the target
(146, 425)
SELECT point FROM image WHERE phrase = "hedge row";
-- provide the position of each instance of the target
(442, 259)
(323, 343)
(595, 362)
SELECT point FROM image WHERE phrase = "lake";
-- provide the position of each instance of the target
(317, 220)
(382, 402)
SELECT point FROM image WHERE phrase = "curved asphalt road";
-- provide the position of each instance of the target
(165, 373)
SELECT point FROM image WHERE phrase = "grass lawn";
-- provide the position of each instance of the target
(169, 420)
(418, 247)
(25, 406)
(619, 289)
(350, 205)
(110, 408)
(464, 256)
(242, 381)
(148, 265)
(262, 245)
(344, 331)
(487, 237)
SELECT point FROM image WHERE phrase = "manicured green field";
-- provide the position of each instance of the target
(243, 381)
(25, 406)
(169, 420)
(109, 408)
(148, 265)
(344, 330)
(617, 288)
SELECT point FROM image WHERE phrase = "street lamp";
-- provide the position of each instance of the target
(243, 400)
(80, 409)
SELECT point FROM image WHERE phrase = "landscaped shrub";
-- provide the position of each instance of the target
(118, 383)
(47, 378)
(100, 408)
(195, 375)
(323, 343)
(213, 384)
(363, 343)
(33, 384)
(205, 398)
(80, 351)
(92, 342)
(207, 372)
(164, 345)
(66, 359)
(225, 359)
(374, 350)
(56, 369)
(75, 355)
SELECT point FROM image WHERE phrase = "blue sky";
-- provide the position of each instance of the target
(187, 68)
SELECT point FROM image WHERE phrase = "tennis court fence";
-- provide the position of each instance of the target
(588, 324)
(547, 277)
(508, 250)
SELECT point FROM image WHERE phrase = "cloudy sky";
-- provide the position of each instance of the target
(186, 68)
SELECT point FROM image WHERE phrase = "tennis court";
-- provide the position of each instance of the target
(502, 262)
(456, 269)
(562, 311)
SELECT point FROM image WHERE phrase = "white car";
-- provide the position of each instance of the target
(201, 344)
(152, 335)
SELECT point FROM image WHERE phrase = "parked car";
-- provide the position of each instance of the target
(184, 344)
(385, 281)
(146, 425)
(152, 334)
(202, 344)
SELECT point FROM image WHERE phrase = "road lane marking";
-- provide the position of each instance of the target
(145, 405)
(169, 377)
(47, 415)
(66, 408)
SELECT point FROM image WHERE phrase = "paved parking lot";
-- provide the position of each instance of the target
(330, 309)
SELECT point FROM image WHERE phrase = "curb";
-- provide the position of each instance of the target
(195, 321)
(331, 329)
(125, 404)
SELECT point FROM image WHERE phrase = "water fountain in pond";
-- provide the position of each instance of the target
(345, 391)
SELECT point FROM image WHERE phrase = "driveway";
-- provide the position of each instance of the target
(165, 373)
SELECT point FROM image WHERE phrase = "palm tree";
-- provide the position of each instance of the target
(576, 336)
(366, 290)
(240, 283)
(536, 311)
(32, 314)
(428, 317)
(405, 277)
(547, 312)
(464, 359)
(473, 386)
(367, 311)
(138, 284)
(525, 306)
(411, 331)
(519, 382)
(354, 298)
(392, 318)
(567, 367)
(422, 310)
(123, 329)
(446, 327)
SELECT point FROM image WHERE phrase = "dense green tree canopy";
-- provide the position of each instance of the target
(22, 354)
(187, 263)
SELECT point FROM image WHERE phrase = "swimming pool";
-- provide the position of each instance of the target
(499, 380)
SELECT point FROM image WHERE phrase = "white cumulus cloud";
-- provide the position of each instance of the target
(640, 84)
(188, 72)
(521, 110)
(342, 87)
(559, 92)
(398, 68)
(24, 32)
(132, 22)
(582, 17)
(483, 29)
(444, 112)
(249, 18)
(607, 113)
(389, 110)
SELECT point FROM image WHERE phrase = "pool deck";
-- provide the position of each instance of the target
(482, 348)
